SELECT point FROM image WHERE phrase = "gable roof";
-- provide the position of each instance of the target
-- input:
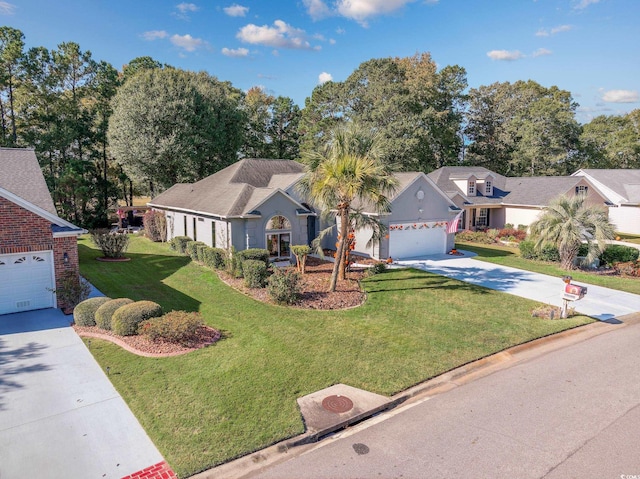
(234, 191)
(620, 185)
(405, 179)
(520, 190)
(444, 177)
(22, 183)
(20, 174)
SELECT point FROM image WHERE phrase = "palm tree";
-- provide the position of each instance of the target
(569, 222)
(349, 168)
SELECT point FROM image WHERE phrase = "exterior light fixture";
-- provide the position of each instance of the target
(65, 258)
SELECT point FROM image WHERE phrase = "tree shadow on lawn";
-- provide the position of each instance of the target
(141, 278)
(475, 280)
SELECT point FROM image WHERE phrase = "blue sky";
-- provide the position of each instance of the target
(588, 47)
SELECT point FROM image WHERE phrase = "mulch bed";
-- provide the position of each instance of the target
(142, 346)
(315, 285)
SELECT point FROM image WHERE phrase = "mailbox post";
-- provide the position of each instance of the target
(571, 292)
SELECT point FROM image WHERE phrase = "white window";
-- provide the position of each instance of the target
(482, 217)
(581, 190)
(472, 187)
(488, 187)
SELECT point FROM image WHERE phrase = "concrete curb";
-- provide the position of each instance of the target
(246, 466)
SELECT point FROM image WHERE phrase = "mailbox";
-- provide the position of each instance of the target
(574, 292)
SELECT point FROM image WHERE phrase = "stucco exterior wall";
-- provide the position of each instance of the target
(521, 215)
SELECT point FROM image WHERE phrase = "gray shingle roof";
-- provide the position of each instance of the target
(443, 177)
(625, 182)
(20, 174)
(538, 190)
(233, 191)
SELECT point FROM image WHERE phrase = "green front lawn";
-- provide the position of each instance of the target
(511, 257)
(239, 395)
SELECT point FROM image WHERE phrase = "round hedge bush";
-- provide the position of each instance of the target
(84, 314)
(106, 310)
(126, 319)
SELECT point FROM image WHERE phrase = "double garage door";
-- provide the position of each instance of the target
(414, 243)
(26, 281)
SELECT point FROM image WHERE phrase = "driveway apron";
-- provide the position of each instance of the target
(599, 303)
(59, 414)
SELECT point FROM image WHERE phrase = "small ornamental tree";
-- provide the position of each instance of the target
(155, 226)
(301, 251)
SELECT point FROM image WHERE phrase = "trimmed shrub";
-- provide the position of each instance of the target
(214, 257)
(126, 319)
(255, 273)
(105, 312)
(192, 249)
(72, 289)
(522, 228)
(155, 225)
(179, 243)
(234, 263)
(549, 252)
(474, 237)
(617, 253)
(257, 254)
(84, 313)
(284, 286)
(200, 252)
(528, 250)
(112, 245)
(178, 327)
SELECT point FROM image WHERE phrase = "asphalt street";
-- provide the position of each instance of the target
(570, 413)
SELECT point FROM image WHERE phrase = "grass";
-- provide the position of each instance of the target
(629, 238)
(511, 257)
(211, 405)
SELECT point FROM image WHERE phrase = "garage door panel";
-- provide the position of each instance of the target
(407, 242)
(26, 282)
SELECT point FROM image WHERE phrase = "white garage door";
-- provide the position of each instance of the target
(26, 281)
(412, 243)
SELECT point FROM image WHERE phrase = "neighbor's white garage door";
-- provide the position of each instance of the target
(412, 243)
(26, 281)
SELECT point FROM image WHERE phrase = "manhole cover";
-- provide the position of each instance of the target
(337, 404)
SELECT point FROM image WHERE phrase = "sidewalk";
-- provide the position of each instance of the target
(599, 303)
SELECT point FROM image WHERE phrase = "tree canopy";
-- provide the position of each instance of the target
(170, 126)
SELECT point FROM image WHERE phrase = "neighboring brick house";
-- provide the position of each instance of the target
(37, 247)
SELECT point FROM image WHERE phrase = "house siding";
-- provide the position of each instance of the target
(625, 218)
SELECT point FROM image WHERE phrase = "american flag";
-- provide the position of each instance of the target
(452, 226)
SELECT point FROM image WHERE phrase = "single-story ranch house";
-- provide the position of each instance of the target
(622, 190)
(254, 203)
(37, 247)
(490, 200)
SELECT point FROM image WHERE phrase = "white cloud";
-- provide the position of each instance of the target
(154, 35)
(582, 4)
(541, 52)
(187, 7)
(505, 55)
(7, 8)
(543, 32)
(621, 96)
(187, 42)
(236, 10)
(235, 52)
(324, 77)
(317, 9)
(361, 10)
(281, 35)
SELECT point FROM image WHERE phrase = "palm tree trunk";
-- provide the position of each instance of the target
(338, 265)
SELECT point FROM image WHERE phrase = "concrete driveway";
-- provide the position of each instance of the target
(599, 303)
(59, 414)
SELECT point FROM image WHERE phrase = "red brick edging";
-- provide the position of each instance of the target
(162, 470)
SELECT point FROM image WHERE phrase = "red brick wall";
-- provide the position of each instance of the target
(22, 231)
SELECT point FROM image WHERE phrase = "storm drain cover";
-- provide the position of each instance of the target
(337, 404)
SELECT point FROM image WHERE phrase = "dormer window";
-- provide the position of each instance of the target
(488, 188)
(472, 188)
